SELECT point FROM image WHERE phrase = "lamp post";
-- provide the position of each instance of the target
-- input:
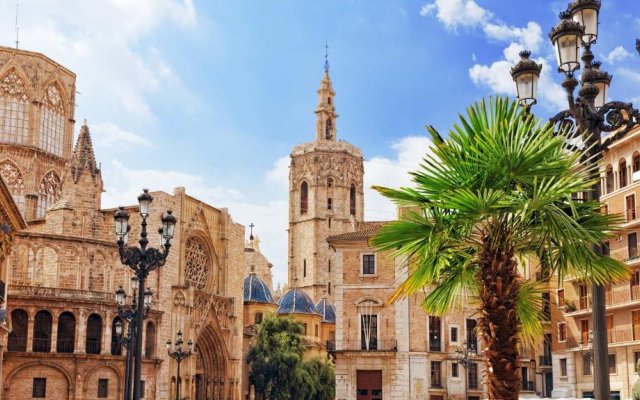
(589, 114)
(142, 260)
(179, 354)
(464, 355)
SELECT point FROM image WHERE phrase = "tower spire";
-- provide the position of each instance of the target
(326, 112)
(83, 158)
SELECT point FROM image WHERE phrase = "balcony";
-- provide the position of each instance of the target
(58, 294)
(17, 344)
(619, 334)
(528, 386)
(616, 297)
(436, 381)
(65, 345)
(331, 345)
(42, 345)
(93, 346)
(374, 346)
(545, 361)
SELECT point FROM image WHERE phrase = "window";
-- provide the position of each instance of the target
(304, 329)
(52, 122)
(317, 332)
(612, 363)
(49, 193)
(304, 268)
(563, 367)
(39, 388)
(329, 204)
(622, 173)
(586, 364)
(258, 318)
(369, 332)
(561, 298)
(368, 264)
(436, 378)
(329, 266)
(630, 202)
(14, 109)
(330, 182)
(66, 333)
(636, 357)
(304, 198)
(472, 339)
(13, 178)
(142, 389)
(609, 179)
(352, 199)
(453, 334)
(473, 376)
(18, 334)
(329, 222)
(454, 370)
(328, 129)
(42, 332)
(94, 334)
(562, 332)
(546, 306)
(632, 243)
(103, 388)
(434, 333)
(584, 331)
(635, 162)
(150, 340)
(329, 287)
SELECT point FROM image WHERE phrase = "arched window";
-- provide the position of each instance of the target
(635, 162)
(304, 198)
(49, 192)
(14, 109)
(66, 333)
(94, 334)
(608, 177)
(52, 121)
(150, 340)
(116, 348)
(328, 129)
(328, 100)
(622, 172)
(19, 330)
(329, 204)
(258, 318)
(42, 332)
(352, 199)
(197, 263)
(13, 178)
(330, 182)
(304, 268)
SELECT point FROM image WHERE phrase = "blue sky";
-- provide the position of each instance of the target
(212, 95)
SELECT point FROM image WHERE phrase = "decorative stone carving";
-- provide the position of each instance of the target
(196, 264)
(53, 100)
(12, 86)
(12, 176)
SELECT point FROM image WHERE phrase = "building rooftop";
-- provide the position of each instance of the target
(255, 290)
(364, 230)
(327, 310)
(296, 301)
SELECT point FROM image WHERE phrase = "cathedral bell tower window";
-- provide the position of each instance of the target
(304, 198)
(328, 129)
(352, 199)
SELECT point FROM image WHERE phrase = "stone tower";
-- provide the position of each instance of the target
(325, 198)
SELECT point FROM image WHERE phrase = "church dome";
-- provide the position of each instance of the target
(296, 301)
(255, 290)
(327, 310)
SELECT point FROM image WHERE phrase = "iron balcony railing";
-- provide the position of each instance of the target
(41, 345)
(93, 346)
(17, 344)
(545, 360)
(65, 345)
(372, 345)
(528, 386)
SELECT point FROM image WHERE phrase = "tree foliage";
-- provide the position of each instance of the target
(278, 370)
(501, 189)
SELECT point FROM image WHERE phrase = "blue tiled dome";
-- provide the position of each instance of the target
(327, 310)
(296, 301)
(255, 290)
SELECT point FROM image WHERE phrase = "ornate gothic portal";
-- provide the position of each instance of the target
(212, 382)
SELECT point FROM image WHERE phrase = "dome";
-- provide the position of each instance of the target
(327, 310)
(256, 291)
(296, 301)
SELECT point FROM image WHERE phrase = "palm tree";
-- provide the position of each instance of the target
(501, 189)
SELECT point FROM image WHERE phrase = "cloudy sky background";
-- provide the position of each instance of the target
(212, 95)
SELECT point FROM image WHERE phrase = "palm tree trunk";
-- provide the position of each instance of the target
(498, 325)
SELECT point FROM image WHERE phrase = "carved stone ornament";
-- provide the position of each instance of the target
(197, 264)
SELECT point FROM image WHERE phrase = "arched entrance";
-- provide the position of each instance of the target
(211, 381)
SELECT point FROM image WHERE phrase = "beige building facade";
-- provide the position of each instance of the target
(63, 266)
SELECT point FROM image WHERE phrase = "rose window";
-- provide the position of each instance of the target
(197, 264)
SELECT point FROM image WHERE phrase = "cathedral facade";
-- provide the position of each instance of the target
(62, 266)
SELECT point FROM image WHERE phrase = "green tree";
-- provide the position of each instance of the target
(500, 189)
(278, 371)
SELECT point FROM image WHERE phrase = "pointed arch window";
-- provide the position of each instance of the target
(52, 121)
(14, 109)
(13, 178)
(352, 199)
(304, 198)
(328, 129)
(197, 263)
(608, 177)
(49, 193)
(330, 182)
(622, 172)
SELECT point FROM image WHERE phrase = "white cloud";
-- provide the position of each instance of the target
(530, 36)
(279, 174)
(616, 55)
(457, 13)
(107, 134)
(392, 172)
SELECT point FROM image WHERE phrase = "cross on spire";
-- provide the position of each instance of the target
(251, 225)
(326, 57)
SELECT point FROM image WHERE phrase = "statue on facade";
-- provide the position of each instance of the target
(635, 390)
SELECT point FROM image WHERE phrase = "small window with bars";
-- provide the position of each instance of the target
(103, 388)
(39, 388)
(368, 264)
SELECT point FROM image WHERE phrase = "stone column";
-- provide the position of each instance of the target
(54, 334)
(30, 326)
(81, 332)
(106, 333)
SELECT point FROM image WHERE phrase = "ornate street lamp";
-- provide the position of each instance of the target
(464, 356)
(142, 260)
(526, 74)
(179, 354)
(589, 115)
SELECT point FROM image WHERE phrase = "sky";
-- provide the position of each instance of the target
(212, 95)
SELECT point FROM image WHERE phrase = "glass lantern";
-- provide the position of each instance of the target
(566, 38)
(526, 74)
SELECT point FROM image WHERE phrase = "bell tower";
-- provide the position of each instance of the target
(325, 198)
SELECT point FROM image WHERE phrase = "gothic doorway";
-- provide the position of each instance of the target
(211, 366)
